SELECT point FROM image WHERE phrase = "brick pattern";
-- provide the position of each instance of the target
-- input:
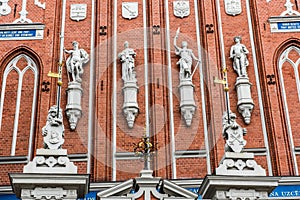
(127, 169)
(9, 168)
(9, 110)
(189, 167)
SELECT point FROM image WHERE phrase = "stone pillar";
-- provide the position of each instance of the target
(73, 108)
(245, 102)
(187, 102)
(130, 105)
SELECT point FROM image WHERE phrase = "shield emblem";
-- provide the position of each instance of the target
(130, 10)
(235, 139)
(53, 136)
(181, 8)
(233, 7)
(78, 12)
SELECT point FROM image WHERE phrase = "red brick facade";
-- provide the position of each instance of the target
(272, 133)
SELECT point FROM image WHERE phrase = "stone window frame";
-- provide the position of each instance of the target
(11, 66)
(284, 57)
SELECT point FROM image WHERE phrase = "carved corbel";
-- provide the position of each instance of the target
(73, 117)
(187, 112)
(130, 114)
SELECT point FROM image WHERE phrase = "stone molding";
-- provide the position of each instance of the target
(148, 186)
(227, 187)
(239, 164)
(51, 161)
(28, 185)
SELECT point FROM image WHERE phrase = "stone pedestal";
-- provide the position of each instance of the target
(130, 105)
(187, 102)
(73, 108)
(50, 175)
(237, 187)
(239, 164)
(50, 161)
(245, 102)
(238, 177)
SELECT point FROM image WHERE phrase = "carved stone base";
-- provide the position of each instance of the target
(187, 102)
(236, 188)
(146, 173)
(234, 194)
(51, 161)
(29, 186)
(48, 193)
(245, 102)
(73, 108)
(240, 164)
(50, 175)
(130, 106)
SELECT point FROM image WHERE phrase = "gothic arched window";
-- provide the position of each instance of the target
(289, 63)
(18, 106)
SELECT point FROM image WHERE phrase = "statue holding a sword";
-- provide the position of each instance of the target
(186, 59)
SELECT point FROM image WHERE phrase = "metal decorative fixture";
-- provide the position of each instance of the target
(145, 149)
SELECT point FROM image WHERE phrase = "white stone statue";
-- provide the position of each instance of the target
(75, 62)
(130, 88)
(53, 131)
(238, 53)
(186, 58)
(233, 133)
(127, 58)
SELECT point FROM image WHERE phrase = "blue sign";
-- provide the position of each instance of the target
(90, 196)
(288, 25)
(8, 197)
(21, 34)
(286, 191)
(195, 190)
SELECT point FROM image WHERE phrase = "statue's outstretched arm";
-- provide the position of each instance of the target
(194, 57)
(68, 51)
(175, 40)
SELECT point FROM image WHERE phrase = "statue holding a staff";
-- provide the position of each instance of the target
(186, 58)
